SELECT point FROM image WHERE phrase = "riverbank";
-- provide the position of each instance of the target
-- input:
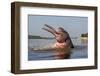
(85, 38)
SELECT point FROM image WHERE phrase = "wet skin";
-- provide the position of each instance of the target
(63, 42)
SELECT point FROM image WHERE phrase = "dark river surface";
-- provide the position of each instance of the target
(80, 50)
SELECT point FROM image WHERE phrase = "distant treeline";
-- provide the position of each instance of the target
(84, 35)
(38, 37)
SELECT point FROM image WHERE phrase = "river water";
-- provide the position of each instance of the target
(80, 50)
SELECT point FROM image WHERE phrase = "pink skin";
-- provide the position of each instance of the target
(62, 46)
(60, 36)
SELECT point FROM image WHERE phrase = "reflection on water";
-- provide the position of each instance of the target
(80, 50)
(84, 41)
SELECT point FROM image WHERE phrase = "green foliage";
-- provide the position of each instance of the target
(84, 35)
